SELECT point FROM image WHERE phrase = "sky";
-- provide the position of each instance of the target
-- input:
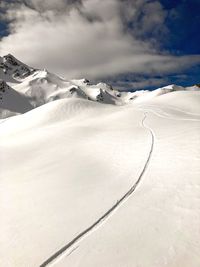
(132, 44)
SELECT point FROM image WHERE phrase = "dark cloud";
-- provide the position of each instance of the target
(135, 83)
(147, 21)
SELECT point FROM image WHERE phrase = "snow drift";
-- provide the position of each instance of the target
(98, 177)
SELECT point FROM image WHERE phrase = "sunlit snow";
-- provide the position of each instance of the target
(98, 177)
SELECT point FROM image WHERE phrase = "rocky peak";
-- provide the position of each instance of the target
(12, 68)
(11, 60)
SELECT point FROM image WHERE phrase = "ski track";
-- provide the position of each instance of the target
(160, 113)
(69, 247)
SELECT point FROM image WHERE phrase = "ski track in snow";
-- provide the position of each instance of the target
(70, 247)
(160, 113)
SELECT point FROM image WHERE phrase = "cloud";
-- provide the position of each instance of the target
(91, 38)
(140, 83)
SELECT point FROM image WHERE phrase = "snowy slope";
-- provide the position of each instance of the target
(86, 184)
(12, 102)
(159, 224)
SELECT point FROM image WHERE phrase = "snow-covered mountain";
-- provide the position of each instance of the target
(13, 70)
(28, 88)
(39, 87)
(98, 177)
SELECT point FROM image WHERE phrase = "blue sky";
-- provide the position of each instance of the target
(184, 37)
(183, 23)
(173, 31)
(3, 29)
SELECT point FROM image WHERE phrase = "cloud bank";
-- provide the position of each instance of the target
(91, 38)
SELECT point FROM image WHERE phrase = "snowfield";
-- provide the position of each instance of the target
(98, 177)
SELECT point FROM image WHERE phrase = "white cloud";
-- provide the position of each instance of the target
(88, 38)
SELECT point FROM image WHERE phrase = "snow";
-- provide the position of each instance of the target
(159, 225)
(12, 102)
(111, 183)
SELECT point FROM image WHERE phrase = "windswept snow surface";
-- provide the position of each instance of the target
(94, 182)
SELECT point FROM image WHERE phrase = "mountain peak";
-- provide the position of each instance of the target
(13, 70)
(9, 58)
